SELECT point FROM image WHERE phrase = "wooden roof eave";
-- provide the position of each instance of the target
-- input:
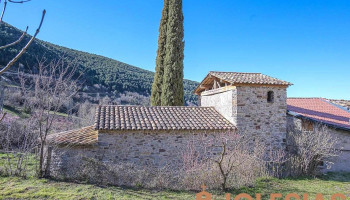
(197, 91)
(209, 78)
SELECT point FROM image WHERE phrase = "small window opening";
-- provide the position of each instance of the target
(307, 125)
(270, 97)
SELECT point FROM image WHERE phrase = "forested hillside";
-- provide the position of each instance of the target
(114, 76)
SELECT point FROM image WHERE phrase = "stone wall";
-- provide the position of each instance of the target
(247, 108)
(258, 117)
(342, 162)
(222, 99)
(144, 149)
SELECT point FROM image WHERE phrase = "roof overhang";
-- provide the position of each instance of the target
(208, 82)
(300, 116)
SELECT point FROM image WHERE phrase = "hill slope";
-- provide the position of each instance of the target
(116, 76)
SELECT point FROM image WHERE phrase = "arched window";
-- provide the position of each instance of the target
(270, 97)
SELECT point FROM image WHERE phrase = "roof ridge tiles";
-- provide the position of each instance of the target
(237, 72)
(306, 98)
(156, 106)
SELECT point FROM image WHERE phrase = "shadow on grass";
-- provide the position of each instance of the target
(336, 176)
(135, 192)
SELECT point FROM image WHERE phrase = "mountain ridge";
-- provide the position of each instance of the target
(115, 75)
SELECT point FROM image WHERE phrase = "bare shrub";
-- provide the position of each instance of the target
(13, 97)
(226, 161)
(310, 149)
(94, 171)
(205, 173)
(133, 98)
(86, 114)
(18, 141)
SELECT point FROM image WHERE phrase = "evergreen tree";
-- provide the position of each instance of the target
(172, 86)
(158, 76)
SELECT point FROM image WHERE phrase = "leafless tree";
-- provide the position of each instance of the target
(24, 49)
(310, 149)
(45, 93)
(227, 160)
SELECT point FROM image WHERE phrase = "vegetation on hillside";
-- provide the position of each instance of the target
(115, 76)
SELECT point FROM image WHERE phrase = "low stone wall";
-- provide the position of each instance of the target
(142, 149)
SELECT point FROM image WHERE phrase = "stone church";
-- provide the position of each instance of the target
(248, 103)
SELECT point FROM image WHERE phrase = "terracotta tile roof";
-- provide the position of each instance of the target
(237, 78)
(160, 118)
(320, 110)
(248, 78)
(83, 136)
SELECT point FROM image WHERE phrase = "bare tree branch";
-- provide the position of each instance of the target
(24, 49)
(12, 1)
(2, 117)
(17, 41)
(3, 11)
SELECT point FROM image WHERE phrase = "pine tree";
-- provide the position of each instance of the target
(172, 87)
(158, 76)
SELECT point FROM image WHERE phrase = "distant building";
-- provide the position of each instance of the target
(306, 113)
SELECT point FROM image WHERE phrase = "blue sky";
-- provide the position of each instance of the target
(306, 42)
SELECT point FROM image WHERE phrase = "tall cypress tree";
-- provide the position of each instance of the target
(158, 76)
(172, 87)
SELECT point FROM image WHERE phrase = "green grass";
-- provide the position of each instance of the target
(12, 187)
(30, 161)
(16, 111)
(327, 185)
(33, 188)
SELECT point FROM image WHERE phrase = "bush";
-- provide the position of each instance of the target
(308, 150)
(236, 165)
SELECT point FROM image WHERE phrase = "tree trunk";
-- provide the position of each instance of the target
(41, 161)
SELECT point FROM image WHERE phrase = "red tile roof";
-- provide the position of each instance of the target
(115, 117)
(321, 110)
